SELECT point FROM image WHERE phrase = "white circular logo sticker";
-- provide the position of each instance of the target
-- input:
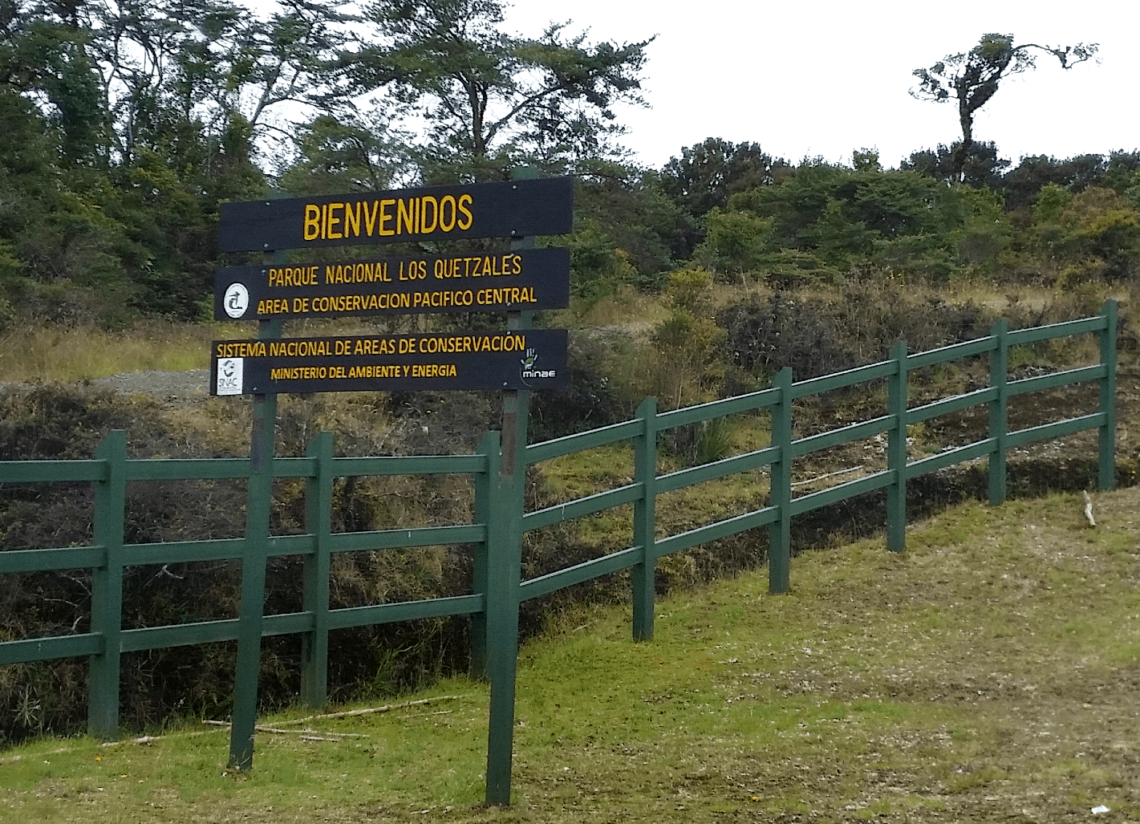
(236, 300)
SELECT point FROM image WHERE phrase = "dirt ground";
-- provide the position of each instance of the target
(1049, 683)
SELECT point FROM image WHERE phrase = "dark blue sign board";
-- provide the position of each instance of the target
(512, 360)
(518, 208)
(500, 282)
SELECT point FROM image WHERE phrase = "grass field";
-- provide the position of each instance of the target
(988, 673)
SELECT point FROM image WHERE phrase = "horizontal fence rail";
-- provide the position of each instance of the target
(500, 519)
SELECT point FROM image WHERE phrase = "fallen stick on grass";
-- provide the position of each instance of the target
(349, 713)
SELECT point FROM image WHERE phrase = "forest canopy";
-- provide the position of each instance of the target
(129, 122)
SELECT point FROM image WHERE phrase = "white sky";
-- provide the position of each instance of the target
(825, 78)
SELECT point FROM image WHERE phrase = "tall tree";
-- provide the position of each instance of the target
(973, 77)
(482, 90)
(707, 174)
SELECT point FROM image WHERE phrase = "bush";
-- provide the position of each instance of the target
(817, 336)
(589, 401)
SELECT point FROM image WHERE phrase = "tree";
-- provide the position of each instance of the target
(972, 78)
(708, 173)
(982, 166)
(548, 100)
(350, 154)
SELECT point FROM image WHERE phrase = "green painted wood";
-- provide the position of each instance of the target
(51, 560)
(955, 351)
(581, 507)
(1052, 431)
(952, 404)
(1106, 438)
(1052, 331)
(841, 492)
(180, 635)
(315, 576)
(304, 468)
(999, 412)
(107, 590)
(842, 435)
(842, 380)
(642, 580)
(896, 451)
(500, 522)
(591, 439)
(259, 500)
(718, 469)
(504, 533)
(767, 516)
(406, 538)
(580, 573)
(486, 485)
(1053, 380)
(377, 614)
(742, 404)
(37, 472)
(223, 549)
(780, 531)
(184, 552)
(287, 623)
(950, 457)
(28, 650)
(407, 465)
(504, 565)
(187, 469)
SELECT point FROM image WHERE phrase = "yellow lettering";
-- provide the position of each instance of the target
(445, 223)
(370, 217)
(312, 221)
(240, 349)
(352, 220)
(332, 221)
(424, 227)
(386, 218)
(405, 217)
(464, 222)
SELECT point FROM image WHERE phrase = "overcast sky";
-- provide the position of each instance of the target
(825, 78)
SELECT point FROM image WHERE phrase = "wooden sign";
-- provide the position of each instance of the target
(514, 360)
(518, 208)
(503, 282)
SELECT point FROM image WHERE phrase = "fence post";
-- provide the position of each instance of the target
(318, 522)
(504, 572)
(780, 496)
(896, 451)
(1106, 469)
(504, 564)
(644, 521)
(484, 513)
(999, 377)
(107, 589)
(255, 557)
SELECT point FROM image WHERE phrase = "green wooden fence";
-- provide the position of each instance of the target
(500, 522)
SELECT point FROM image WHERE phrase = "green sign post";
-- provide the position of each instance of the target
(513, 361)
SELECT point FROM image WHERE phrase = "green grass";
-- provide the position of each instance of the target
(986, 674)
(48, 353)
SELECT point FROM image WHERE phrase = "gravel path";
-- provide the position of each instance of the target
(171, 388)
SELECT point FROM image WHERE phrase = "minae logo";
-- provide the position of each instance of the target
(529, 370)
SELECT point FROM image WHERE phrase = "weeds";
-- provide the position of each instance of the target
(674, 349)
